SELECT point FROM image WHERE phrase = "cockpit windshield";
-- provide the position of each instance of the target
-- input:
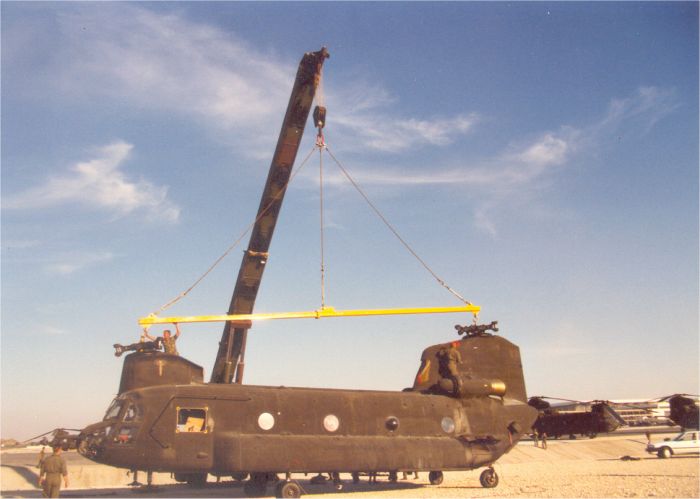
(113, 410)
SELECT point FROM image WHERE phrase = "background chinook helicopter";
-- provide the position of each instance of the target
(67, 438)
(576, 418)
(466, 408)
(684, 410)
(677, 409)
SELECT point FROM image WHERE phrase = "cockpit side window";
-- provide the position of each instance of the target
(113, 410)
(191, 420)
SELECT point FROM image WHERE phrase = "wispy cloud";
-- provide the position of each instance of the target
(389, 134)
(20, 244)
(163, 62)
(51, 330)
(549, 150)
(166, 63)
(638, 112)
(527, 166)
(74, 262)
(516, 166)
(99, 182)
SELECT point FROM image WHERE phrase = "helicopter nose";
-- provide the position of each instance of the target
(92, 439)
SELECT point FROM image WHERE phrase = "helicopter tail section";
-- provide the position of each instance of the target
(476, 365)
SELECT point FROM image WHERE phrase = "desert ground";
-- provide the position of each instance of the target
(567, 468)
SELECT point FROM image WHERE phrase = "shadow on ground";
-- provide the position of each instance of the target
(213, 489)
(31, 477)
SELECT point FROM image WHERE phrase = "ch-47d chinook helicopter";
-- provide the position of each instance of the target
(596, 417)
(466, 408)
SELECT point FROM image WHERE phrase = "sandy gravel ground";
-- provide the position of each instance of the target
(579, 468)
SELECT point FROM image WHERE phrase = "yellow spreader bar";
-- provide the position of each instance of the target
(314, 314)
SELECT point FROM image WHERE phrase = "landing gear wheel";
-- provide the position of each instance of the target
(393, 476)
(239, 476)
(664, 453)
(435, 477)
(488, 478)
(288, 489)
(355, 477)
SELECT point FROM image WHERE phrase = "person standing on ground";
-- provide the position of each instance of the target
(52, 469)
(42, 456)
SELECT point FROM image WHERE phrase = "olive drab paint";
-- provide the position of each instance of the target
(466, 408)
(195, 428)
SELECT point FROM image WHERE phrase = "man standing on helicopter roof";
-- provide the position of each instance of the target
(167, 340)
(449, 359)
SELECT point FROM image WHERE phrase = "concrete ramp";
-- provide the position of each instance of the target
(612, 446)
(19, 471)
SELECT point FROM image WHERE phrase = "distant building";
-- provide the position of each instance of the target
(643, 413)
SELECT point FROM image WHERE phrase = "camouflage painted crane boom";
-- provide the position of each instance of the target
(229, 362)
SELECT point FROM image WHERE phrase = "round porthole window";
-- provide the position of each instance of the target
(266, 421)
(331, 422)
(391, 423)
(448, 425)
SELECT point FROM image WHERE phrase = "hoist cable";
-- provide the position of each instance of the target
(237, 241)
(393, 230)
(323, 267)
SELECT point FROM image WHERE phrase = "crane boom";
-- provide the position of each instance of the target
(229, 361)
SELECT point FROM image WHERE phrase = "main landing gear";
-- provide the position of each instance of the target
(435, 477)
(288, 488)
(256, 486)
(488, 478)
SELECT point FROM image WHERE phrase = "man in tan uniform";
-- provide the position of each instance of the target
(167, 340)
(52, 468)
(449, 359)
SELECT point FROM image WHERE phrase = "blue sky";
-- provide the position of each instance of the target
(541, 157)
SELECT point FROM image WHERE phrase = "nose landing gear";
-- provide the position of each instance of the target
(435, 477)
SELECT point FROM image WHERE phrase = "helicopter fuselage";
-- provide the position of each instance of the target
(227, 428)
(257, 428)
